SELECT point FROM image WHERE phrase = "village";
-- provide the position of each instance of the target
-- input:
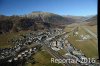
(30, 43)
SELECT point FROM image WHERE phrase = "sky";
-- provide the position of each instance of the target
(61, 7)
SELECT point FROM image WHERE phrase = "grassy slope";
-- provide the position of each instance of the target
(4, 38)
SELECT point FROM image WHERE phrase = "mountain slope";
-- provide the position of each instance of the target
(17, 23)
(37, 21)
(50, 17)
(92, 20)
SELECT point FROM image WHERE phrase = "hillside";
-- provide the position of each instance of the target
(50, 17)
(16, 24)
(92, 20)
(33, 21)
(76, 18)
(38, 21)
(79, 19)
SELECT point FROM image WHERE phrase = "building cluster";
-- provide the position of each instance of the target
(24, 55)
(85, 37)
(56, 31)
(76, 54)
(20, 44)
(19, 50)
(57, 44)
(81, 36)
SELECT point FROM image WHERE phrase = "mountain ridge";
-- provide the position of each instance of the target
(34, 21)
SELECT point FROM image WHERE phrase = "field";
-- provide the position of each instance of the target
(42, 58)
(88, 47)
(62, 51)
(92, 28)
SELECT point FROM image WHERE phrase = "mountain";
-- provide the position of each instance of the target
(76, 18)
(79, 18)
(50, 17)
(92, 20)
(20, 23)
(37, 21)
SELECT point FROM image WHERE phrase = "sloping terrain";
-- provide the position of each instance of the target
(76, 18)
(50, 17)
(16, 24)
(33, 21)
(92, 21)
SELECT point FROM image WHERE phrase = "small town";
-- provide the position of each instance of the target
(30, 43)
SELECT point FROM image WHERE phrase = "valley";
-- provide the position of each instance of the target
(33, 40)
